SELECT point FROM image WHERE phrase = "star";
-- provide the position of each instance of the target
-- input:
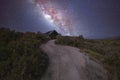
(54, 15)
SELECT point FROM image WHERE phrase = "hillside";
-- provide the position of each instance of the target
(106, 51)
(22, 58)
(20, 55)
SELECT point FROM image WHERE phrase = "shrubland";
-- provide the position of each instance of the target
(20, 55)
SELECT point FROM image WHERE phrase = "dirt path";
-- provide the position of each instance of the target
(67, 63)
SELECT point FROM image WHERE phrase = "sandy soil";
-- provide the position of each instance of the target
(68, 63)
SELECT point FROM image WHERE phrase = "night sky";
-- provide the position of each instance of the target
(90, 18)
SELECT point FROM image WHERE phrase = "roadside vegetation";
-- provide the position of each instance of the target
(20, 55)
(106, 51)
(22, 59)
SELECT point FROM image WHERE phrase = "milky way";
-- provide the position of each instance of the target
(90, 18)
(56, 15)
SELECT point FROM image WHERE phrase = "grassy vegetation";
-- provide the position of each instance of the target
(107, 51)
(22, 59)
(20, 55)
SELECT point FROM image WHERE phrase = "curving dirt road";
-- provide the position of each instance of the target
(67, 63)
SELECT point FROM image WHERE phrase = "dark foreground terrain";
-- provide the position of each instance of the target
(106, 51)
(21, 57)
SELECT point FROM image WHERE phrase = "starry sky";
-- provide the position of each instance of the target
(90, 18)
